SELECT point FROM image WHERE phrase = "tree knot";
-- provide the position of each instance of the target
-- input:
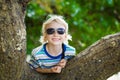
(114, 43)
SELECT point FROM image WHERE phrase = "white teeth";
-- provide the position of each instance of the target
(55, 39)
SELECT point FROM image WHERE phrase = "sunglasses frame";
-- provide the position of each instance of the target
(51, 31)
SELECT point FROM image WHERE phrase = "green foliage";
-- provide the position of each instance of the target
(88, 20)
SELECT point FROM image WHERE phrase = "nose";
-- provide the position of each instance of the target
(55, 33)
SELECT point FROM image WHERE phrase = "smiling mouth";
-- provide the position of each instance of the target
(55, 39)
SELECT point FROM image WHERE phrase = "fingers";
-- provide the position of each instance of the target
(62, 63)
(59, 66)
(56, 69)
(63, 60)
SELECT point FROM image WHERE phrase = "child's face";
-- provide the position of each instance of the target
(55, 33)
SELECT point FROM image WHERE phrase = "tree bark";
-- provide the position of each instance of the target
(97, 62)
(12, 39)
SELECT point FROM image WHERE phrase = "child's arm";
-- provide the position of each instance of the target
(62, 63)
(56, 69)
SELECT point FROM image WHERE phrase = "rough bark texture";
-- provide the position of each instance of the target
(97, 62)
(12, 39)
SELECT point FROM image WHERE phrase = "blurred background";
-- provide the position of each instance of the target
(88, 20)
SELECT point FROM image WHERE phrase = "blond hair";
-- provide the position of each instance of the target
(58, 19)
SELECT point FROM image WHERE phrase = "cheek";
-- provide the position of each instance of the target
(48, 37)
(45, 37)
(65, 37)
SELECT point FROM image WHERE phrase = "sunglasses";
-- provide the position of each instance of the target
(60, 31)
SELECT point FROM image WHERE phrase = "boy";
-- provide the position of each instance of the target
(54, 52)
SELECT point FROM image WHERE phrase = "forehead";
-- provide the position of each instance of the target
(55, 24)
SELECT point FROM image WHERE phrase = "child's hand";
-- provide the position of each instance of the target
(56, 69)
(62, 63)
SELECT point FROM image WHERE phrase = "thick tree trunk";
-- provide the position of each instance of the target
(97, 62)
(12, 39)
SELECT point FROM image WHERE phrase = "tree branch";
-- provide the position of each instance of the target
(97, 62)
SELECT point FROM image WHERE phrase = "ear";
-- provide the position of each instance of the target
(45, 37)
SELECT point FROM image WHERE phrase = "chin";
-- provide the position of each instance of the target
(57, 43)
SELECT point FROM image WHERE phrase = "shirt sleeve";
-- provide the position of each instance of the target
(33, 63)
(70, 52)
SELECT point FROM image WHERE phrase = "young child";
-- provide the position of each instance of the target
(54, 52)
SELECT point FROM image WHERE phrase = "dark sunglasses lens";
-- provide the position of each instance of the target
(61, 31)
(50, 31)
